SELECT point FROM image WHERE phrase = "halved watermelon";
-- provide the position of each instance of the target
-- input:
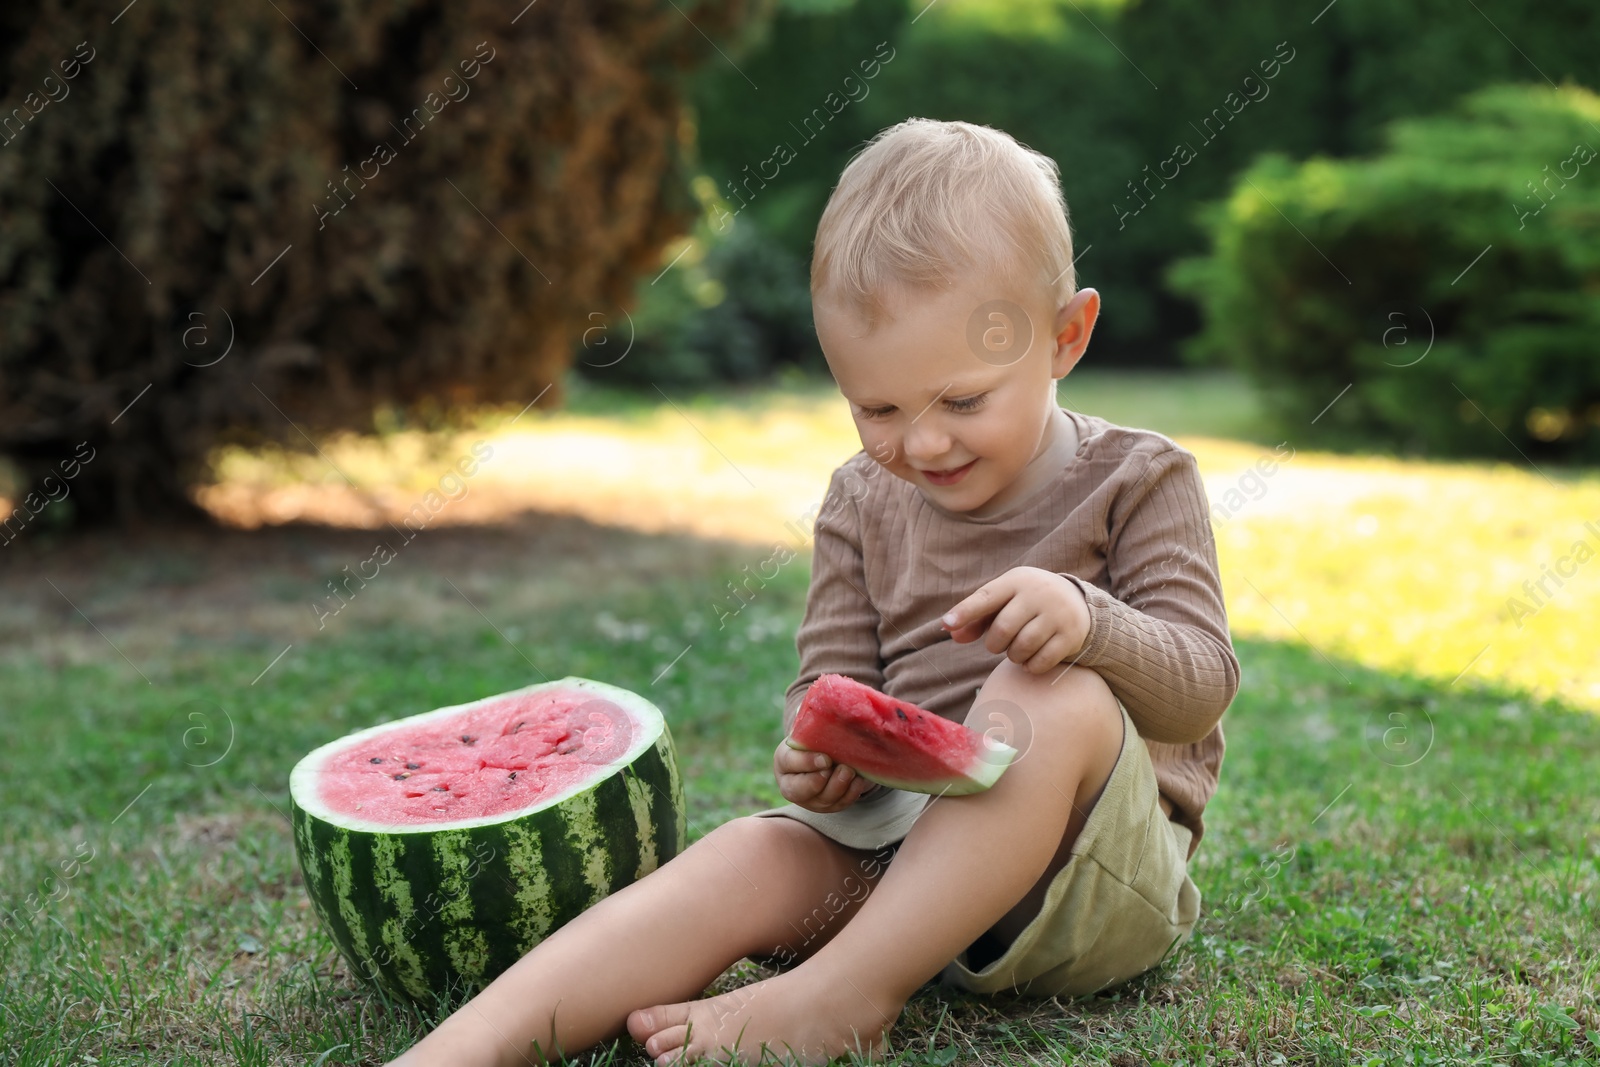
(439, 849)
(895, 743)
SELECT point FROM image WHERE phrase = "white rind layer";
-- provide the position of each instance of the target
(648, 726)
(983, 772)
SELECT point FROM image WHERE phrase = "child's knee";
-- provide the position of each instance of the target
(1075, 688)
(1069, 706)
(761, 841)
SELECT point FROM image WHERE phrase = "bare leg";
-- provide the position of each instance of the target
(969, 863)
(751, 886)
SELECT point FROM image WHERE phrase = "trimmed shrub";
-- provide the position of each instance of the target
(1452, 283)
(414, 204)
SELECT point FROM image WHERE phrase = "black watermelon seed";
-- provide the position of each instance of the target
(513, 776)
(467, 740)
(900, 712)
(375, 759)
(401, 776)
(413, 766)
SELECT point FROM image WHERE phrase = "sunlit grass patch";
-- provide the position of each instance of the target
(1447, 570)
(1394, 563)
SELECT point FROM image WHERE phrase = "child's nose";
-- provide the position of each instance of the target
(926, 441)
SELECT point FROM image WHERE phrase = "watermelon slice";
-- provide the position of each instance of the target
(894, 743)
(439, 849)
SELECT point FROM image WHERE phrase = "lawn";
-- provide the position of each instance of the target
(1400, 866)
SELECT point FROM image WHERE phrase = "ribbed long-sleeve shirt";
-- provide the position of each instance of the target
(1126, 520)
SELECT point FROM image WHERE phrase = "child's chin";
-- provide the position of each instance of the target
(951, 499)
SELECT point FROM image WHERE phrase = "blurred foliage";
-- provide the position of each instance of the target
(412, 204)
(1452, 283)
(776, 93)
(729, 304)
(1110, 89)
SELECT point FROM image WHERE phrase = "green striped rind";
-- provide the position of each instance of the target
(673, 809)
(445, 911)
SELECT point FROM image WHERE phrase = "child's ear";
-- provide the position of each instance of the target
(1074, 323)
(1077, 314)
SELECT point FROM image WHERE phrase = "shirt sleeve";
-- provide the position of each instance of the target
(1159, 636)
(839, 632)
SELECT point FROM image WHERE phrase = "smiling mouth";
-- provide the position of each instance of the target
(952, 470)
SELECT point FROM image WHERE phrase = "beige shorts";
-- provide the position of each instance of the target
(1121, 903)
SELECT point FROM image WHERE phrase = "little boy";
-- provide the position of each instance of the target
(1078, 551)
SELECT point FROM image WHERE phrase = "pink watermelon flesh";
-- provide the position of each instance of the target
(895, 743)
(491, 759)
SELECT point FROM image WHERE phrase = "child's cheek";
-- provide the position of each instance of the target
(883, 454)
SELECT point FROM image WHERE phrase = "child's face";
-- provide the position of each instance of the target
(960, 380)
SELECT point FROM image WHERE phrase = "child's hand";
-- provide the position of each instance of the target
(815, 782)
(1040, 618)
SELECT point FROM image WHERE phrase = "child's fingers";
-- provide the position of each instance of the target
(973, 623)
(801, 775)
(851, 793)
(828, 795)
(1031, 639)
(815, 781)
(813, 789)
(858, 785)
(801, 793)
(796, 761)
(839, 783)
(799, 788)
(970, 631)
(968, 616)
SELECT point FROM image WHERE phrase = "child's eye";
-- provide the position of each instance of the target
(968, 403)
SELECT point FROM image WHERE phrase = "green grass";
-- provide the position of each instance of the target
(1357, 909)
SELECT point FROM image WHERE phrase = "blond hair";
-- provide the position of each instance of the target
(927, 200)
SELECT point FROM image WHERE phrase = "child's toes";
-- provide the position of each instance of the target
(668, 1046)
(644, 1022)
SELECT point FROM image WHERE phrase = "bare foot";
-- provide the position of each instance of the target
(800, 1018)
